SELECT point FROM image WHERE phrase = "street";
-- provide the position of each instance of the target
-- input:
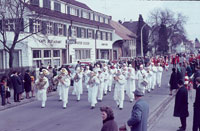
(77, 116)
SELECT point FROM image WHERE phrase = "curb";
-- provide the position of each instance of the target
(14, 104)
(154, 116)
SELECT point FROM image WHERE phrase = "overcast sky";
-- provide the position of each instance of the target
(130, 9)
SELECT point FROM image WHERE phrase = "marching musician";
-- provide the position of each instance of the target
(106, 77)
(64, 83)
(93, 89)
(131, 83)
(101, 86)
(154, 71)
(78, 83)
(110, 77)
(42, 84)
(87, 76)
(141, 76)
(119, 89)
(149, 78)
(159, 75)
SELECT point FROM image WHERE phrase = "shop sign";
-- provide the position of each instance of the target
(104, 44)
(45, 41)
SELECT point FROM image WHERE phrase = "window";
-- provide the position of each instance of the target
(90, 33)
(35, 2)
(37, 63)
(57, 6)
(99, 35)
(91, 16)
(36, 53)
(103, 35)
(83, 33)
(60, 29)
(74, 11)
(85, 15)
(56, 53)
(36, 26)
(47, 4)
(16, 56)
(56, 62)
(10, 25)
(110, 38)
(47, 53)
(49, 28)
(74, 31)
(101, 19)
(106, 20)
(82, 53)
(47, 62)
(96, 18)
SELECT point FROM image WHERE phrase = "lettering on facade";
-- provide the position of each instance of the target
(82, 43)
(44, 41)
(104, 44)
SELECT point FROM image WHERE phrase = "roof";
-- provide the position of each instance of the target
(131, 25)
(76, 3)
(122, 31)
(56, 14)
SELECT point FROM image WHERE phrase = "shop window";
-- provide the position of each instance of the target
(82, 54)
(56, 53)
(37, 63)
(47, 62)
(56, 62)
(36, 53)
(47, 53)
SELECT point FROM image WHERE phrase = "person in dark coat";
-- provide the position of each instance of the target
(181, 105)
(3, 90)
(108, 119)
(196, 74)
(140, 113)
(27, 83)
(196, 117)
(17, 85)
(21, 78)
(173, 81)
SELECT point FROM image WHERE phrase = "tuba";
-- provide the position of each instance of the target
(41, 83)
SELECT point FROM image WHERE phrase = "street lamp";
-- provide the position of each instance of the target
(142, 54)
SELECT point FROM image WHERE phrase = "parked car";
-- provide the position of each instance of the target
(102, 61)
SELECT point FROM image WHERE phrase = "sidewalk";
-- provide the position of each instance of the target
(166, 121)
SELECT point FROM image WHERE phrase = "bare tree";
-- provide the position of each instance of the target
(173, 22)
(12, 24)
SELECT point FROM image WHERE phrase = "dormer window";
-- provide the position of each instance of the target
(35, 2)
(57, 6)
(47, 4)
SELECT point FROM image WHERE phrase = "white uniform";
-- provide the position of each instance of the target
(119, 91)
(159, 75)
(58, 88)
(42, 93)
(150, 80)
(65, 84)
(141, 75)
(93, 89)
(87, 77)
(106, 80)
(101, 86)
(131, 77)
(78, 85)
(154, 71)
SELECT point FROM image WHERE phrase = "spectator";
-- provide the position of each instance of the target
(140, 113)
(173, 81)
(16, 86)
(3, 90)
(22, 85)
(196, 117)
(108, 119)
(27, 83)
(181, 105)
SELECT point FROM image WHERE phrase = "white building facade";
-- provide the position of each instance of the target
(68, 31)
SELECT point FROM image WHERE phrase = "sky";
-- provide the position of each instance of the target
(127, 10)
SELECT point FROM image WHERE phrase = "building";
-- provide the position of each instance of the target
(66, 31)
(124, 45)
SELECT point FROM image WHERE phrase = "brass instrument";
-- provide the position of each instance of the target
(41, 83)
(76, 78)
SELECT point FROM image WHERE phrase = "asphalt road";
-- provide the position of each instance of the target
(78, 116)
